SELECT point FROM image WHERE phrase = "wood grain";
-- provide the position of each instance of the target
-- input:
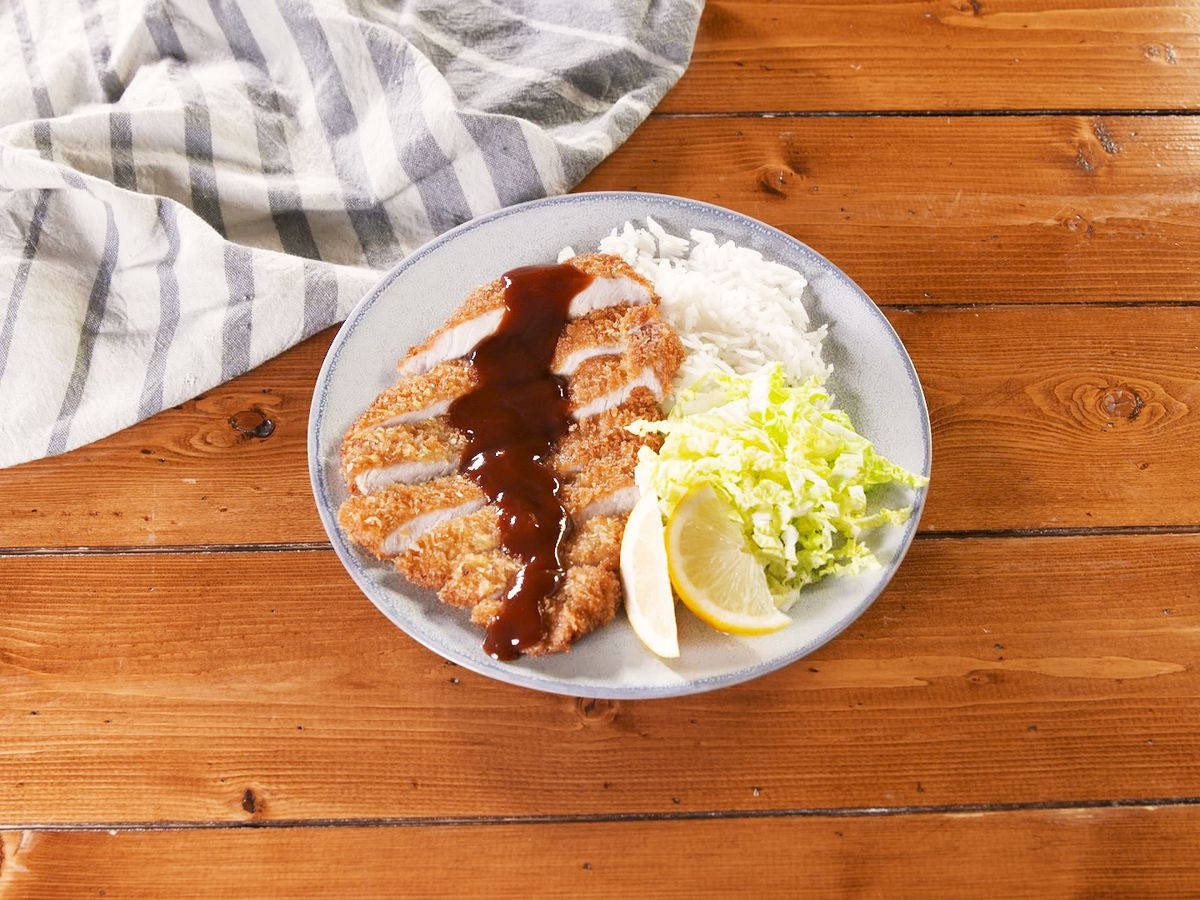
(800, 55)
(264, 686)
(1064, 418)
(990, 210)
(962, 210)
(1136, 851)
(187, 475)
(1042, 417)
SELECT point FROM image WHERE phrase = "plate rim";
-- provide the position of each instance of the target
(515, 674)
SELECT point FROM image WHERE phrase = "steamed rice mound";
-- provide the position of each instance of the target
(733, 310)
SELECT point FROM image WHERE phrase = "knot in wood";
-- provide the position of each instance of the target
(595, 711)
(252, 423)
(1116, 402)
(1122, 402)
(774, 179)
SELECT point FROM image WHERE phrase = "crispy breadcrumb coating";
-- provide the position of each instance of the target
(419, 396)
(480, 307)
(437, 527)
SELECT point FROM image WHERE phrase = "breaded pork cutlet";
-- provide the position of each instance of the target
(650, 360)
(416, 398)
(437, 558)
(648, 356)
(606, 435)
(607, 332)
(401, 457)
(404, 435)
(588, 600)
(388, 521)
(373, 458)
(478, 578)
(613, 283)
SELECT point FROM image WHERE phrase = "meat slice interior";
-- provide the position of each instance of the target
(613, 283)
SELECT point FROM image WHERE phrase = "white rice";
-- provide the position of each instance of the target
(733, 310)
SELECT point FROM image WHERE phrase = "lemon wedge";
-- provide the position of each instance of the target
(648, 599)
(713, 573)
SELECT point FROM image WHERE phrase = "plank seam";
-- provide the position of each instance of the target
(602, 818)
(168, 549)
(1092, 531)
(1041, 304)
(925, 113)
(325, 546)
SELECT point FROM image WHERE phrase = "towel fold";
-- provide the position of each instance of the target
(189, 187)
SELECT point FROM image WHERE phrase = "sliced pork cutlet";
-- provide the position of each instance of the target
(405, 437)
(416, 398)
(387, 522)
(606, 332)
(614, 282)
(376, 457)
(652, 357)
(401, 456)
(373, 458)
(587, 600)
(403, 520)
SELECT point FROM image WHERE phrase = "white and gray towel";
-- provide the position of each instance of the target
(189, 187)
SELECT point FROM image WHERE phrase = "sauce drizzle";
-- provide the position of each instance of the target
(512, 420)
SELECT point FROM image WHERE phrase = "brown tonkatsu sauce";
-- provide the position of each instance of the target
(512, 420)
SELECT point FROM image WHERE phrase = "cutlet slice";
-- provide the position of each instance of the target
(456, 553)
(603, 333)
(651, 359)
(418, 397)
(432, 559)
(376, 457)
(587, 600)
(604, 487)
(613, 282)
(597, 542)
(388, 522)
(606, 435)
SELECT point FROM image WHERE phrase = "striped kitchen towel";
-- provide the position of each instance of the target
(189, 187)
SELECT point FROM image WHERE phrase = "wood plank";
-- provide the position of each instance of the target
(1137, 851)
(963, 210)
(187, 475)
(794, 55)
(263, 686)
(1042, 417)
(1083, 424)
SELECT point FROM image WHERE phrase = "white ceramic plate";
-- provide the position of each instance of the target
(874, 381)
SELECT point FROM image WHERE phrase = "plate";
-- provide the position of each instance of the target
(873, 380)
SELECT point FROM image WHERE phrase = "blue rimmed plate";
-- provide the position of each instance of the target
(873, 380)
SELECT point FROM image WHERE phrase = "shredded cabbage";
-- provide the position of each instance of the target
(791, 466)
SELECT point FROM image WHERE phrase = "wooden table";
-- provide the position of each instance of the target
(196, 700)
